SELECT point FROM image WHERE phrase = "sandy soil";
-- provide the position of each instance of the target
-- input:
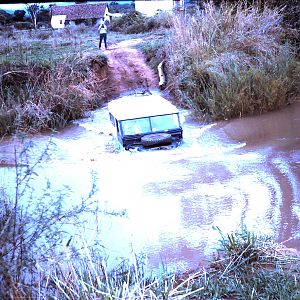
(127, 69)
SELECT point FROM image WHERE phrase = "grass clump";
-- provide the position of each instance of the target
(230, 61)
(245, 267)
(248, 266)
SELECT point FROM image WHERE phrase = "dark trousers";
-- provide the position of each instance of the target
(103, 36)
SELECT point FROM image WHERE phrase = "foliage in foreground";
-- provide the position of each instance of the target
(32, 231)
(245, 267)
(35, 264)
(230, 61)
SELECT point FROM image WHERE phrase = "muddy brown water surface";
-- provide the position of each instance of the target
(164, 203)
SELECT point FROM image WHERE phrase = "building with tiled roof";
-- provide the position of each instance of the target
(61, 15)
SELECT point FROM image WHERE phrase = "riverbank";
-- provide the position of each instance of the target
(54, 77)
(245, 266)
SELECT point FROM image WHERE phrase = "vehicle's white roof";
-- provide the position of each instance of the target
(139, 107)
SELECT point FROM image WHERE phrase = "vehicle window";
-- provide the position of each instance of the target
(165, 122)
(135, 126)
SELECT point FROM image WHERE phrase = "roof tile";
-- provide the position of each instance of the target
(80, 11)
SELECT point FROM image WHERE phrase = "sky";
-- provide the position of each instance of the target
(16, 6)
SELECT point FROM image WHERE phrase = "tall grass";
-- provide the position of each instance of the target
(230, 61)
(30, 230)
(39, 98)
(246, 267)
(153, 51)
(48, 78)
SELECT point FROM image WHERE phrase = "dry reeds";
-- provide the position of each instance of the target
(49, 98)
(230, 61)
(47, 79)
(247, 267)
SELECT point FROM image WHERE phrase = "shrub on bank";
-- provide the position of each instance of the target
(31, 231)
(136, 22)
(47, 80)
(230, 61)
(153, 51)
(23, 25)
(39, 98)
(290, 11)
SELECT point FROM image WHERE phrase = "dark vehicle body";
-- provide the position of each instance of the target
(145, 121)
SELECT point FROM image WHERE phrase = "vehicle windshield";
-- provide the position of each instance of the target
(135, 126)
(165, 122)
(150, 124)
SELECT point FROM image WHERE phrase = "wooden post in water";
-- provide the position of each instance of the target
(162, 78)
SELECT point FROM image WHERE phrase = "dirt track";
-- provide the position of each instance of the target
(127, 69)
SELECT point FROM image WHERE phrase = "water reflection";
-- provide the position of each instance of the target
(165, 203)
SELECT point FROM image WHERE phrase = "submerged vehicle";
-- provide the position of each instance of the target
(149, 121)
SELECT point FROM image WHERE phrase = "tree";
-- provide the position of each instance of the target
(19, 15)
(44, 16)
(33, 10)
(5, 17)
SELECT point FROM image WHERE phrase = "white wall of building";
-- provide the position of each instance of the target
(58, 21)
(150, 8)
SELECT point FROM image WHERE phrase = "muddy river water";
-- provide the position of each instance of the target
(164, 203)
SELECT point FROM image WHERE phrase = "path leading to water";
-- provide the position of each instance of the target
(127, 69)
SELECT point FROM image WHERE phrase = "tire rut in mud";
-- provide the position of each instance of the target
(127, 71)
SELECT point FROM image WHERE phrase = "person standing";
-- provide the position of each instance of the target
(103, 34)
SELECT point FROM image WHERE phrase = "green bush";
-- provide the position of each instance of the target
(23, 25)
(5, 17)
(135, 22)
(153, 51)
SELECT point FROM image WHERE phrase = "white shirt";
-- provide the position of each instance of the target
(103, 29)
